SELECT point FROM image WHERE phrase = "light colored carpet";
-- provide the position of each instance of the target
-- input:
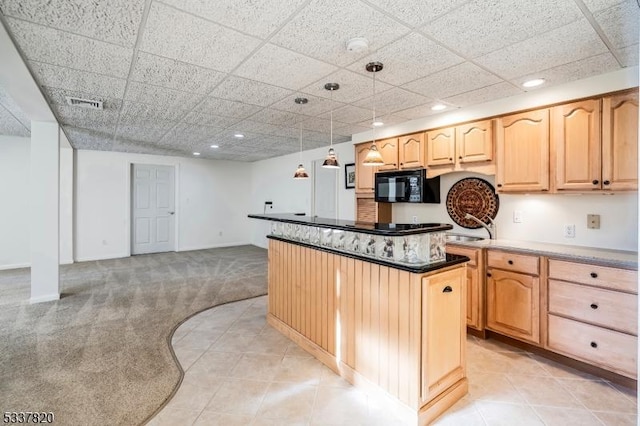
(101, 354)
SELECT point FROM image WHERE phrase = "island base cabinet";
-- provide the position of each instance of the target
(392, 332)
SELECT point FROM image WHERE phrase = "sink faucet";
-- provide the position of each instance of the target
(492, 228)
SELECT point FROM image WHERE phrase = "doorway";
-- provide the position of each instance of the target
(152, 209)
(325, 191)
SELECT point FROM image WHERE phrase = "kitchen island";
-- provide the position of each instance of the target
(380, 304)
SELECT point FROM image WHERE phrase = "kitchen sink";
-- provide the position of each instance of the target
(465, 238)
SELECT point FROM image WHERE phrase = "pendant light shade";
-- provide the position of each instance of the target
(301, 173)
(374, 158)
(331, 162)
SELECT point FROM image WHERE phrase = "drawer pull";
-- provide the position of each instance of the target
(594, 345)
(447, 289)
(488, 274)
(510, 262)
(593, 275)
(594, 306)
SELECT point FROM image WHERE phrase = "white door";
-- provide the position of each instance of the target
(324, 191)
(152, 209)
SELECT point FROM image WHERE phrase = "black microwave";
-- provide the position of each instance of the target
(407, 186)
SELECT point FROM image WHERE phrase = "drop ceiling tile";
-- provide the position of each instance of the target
(82, 81)
(284, 68)
(56, 47)
(599, 64)
(141, 147)
(88, 139)
(408, 59)
(349, 114)
(620, 23)
(194, 40)
(352, 129)
(417, 12)
(250, 126)
(190, 134)
(596, 5)
(485, 94)
(10, 125)
(114, 21)
(103, 121)
(249, 91)
(225, 108)
(9, 104)
(141, 129)
(256, 17)
(570, 43)
(161, 96)
(317, 124)
(58, 97)
(387, 119)
(420, 111)
(333, 23)
(140, 111)
(209, 120)
(480, 27)
(174, 74)
(393, 100)
(629, 55)
(353, 86)
(315, 106)
(452, 81)
(277, 117)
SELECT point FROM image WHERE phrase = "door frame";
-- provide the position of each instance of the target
(129, 194)
(336, 190)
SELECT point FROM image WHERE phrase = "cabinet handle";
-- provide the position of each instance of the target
(594, 345)
(594, 306)
(450, 159)
(402, 164)
(510, 262)
(499, 185)
(595, 181)
(488, 274)
(593, 275)
(447, 289)
(460, 158)
(606, 182)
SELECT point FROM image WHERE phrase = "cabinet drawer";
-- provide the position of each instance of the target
(513, 262)
(607, 308)
(604, 348)
(472, 254)
(599, 276)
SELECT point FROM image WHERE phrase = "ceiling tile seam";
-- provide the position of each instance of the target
(69, 32)
(76, 69)
(231, 73)
(598, 29)
(15, 118)
(134, 59)
(407, 24)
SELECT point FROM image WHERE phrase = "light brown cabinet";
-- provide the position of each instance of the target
(620, 141)
(367, 210)
(389, 150)
(522, 152)
(441, 147)
(475, 284)
(365, 175)
(593, 315)
(513, 295)
(411, 151)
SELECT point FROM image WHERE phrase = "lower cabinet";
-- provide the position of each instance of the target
(475, 284)
(513, 295)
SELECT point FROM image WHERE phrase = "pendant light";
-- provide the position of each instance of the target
(331, 162)
(301, 173)
(373, 158)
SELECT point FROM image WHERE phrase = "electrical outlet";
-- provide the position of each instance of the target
(517, 216)
(414, 219)
(570, 231)
(593, 221)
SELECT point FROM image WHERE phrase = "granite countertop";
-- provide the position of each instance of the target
(600, 256)
(391, 229)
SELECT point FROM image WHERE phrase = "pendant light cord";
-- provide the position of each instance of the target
(331, 118)
(373, 123)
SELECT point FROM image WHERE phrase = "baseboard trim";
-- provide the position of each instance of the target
(46, 298)
(93, 258)
(210, 246)
(15, 266)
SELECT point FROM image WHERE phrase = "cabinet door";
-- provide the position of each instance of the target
(575, 145)
(389, 150)
(474, 295)
(513, 304)
(444, 325)
(411, 151)
(522, 152)
(441, 147)
(474, 142)
(364, 174)
(620, 141)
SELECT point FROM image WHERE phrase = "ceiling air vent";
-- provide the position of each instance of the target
(84, 103)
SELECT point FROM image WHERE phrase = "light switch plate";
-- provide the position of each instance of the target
(570, 231)
(517, 216)
(593, 221)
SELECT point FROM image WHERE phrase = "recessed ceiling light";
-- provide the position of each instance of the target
(377, 123)
(215, 146)
(196, 153)
(438, 107)
(238, 135)
(533, 83)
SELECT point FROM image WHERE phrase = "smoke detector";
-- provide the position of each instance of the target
(84, 103)
(357, 45)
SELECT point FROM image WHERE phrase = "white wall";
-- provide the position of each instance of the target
(543, 216)
(272, 180)
(211, 203)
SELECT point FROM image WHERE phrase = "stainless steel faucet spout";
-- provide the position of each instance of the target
(491, 228)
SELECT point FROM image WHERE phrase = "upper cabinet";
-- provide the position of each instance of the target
(522, 152)
(467, 147)
(411, 151)
(364, 174)
(389, 150)
(620, 141)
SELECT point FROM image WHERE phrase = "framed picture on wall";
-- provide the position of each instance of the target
(350, 175)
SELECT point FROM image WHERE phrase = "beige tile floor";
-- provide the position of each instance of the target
(240, 371)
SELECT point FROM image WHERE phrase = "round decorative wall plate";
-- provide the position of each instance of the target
(474, 196)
